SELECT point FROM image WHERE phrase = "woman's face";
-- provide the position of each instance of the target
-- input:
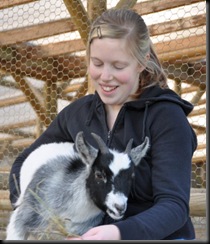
(113, 70)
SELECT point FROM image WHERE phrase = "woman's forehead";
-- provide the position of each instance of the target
(110, 47)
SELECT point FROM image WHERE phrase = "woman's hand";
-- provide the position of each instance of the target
(103, 232)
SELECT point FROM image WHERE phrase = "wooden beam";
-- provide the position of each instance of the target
(201, 102)
(48, 29)
(201, 129)
(78, 88)
(60, 48)
(188, 46)
(200, 159)
(198, 202)
(18, 144)
(5, 204)
(31, 63)
(81, 91)
(178, 45)
(79, 17)
(177, 25)
(18, 125)
(188, 80)
(66, 25)
(9, 84)
(188, 90)
(196, 98)
(4, 183)
(125, 4)
(95, 8)
(36, 31)
(12, 3)
(197, 112)
(201, 146)
(187, 72)
(50, 96)
(71, 88)
(22, 144)
(197, 52)
(151, 6)
(17, 133)
(200, 132)
(3, 147)
(13, 100)
(9, 138)
(35, 103)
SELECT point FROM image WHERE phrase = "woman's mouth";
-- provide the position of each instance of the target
(108, 88)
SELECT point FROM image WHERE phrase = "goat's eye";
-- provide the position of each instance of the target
(99, 175)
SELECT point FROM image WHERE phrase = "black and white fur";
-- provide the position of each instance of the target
(75, 182)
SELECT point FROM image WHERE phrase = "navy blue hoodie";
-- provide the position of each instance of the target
(158, 206)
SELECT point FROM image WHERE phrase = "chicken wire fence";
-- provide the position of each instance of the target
(43, 69)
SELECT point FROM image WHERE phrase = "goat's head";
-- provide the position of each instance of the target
(111, 173)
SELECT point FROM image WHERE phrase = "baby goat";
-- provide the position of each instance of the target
(75, 183)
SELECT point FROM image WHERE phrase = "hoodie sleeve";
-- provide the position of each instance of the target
(64, 128)
(172, 146)
(56, 132)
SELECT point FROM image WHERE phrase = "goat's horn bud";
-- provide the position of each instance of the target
(102, 146)
(129, 146)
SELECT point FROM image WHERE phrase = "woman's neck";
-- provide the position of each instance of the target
(111, 113)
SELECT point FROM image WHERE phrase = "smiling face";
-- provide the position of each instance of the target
(113, 70)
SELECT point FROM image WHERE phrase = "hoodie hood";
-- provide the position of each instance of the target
(150, 96)
(156, 94)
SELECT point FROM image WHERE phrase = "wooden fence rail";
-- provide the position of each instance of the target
(197, 202)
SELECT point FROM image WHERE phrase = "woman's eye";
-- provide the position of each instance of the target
(97, 64)
(117, 67)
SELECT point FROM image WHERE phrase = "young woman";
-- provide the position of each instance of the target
(132, 100)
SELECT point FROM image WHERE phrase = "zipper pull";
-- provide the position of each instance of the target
(108, 136)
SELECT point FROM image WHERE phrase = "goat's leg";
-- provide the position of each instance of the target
(15, 229)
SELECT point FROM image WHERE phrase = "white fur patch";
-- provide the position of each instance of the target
(38, 158)
(120, 161)
(113, 200)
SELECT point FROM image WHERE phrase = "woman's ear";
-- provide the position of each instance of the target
(147, 56)
(141, 67)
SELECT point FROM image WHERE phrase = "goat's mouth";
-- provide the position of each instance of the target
(115, 215)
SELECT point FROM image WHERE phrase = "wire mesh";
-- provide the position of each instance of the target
(43, 68)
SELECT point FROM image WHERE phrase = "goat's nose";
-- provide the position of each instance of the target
(120, 207)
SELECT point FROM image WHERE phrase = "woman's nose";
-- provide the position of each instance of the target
(106, 74)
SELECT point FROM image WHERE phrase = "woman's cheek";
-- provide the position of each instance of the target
(94, 73)
(123, 77)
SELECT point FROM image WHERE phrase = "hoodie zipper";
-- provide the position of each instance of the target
(110, 132)
(108, 137)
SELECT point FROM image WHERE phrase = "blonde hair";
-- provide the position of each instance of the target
(127, 24)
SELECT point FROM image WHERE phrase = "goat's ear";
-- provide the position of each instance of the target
(140, 151)
(87, 152)
(102, 146)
